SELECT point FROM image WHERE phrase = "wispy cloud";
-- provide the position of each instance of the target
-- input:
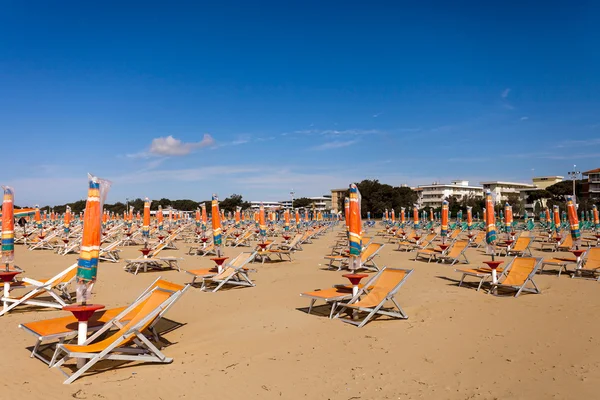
(334, 132)
(335, 144)
(524, 118)
(169, 146)
(505, 93)
(377, 114)
(579, 143)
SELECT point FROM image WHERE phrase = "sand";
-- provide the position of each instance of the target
(260, 343)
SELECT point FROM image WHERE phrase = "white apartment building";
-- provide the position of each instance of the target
(593, 183)
(503, 189)
(433, 195)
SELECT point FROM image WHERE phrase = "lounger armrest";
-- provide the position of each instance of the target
(34, 282)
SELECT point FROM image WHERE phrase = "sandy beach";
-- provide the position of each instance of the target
(260, 343)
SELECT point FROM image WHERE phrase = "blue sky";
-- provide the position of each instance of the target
(183, 99)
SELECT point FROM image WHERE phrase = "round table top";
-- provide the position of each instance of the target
(219, 260)
(577, 253)
(7, 276)
(355, 276)
(493, 264)
(83, 312)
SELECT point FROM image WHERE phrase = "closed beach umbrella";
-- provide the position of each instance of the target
(198, 220)
(490, 222)
(547, 217)
(347, 212)
(38, 219)
(216, 224)
(8, 227)
(431, 217)
(67, 221)
(146, 222)
(204, 216)
(469, 217)
(159, 218)
(393, 215)
(444, 229)
(368, 215)
(508, 220)
(297, 219)
(354, 232)
(238, 212)
(286, 217)
(416, 217)
(556, 219)
(573, 222)
(262, 226)
(87, 265)
(596, 218)
(402, 216)
(385, 215)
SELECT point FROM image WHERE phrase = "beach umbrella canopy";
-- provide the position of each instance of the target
(238, 216)
(204, 216)
(393, 215)
(547, 217)
(402, 216)
(8, 227)
(87, 264)
(431, 217)
(198, 218)
(385, 215)
(416, 217)
(469, 217)
(596, 218)
(262, 225)
(286, 217)
(573, 222)
(444, 228)
(368, 215)
(297, 219)
(67, 221)
(347, 212)
(490, 221)
(582, 215)
(556, 219)
(355, 226)
(146, 222)
(159, 218)
(216, 224)
(38, 218)
(508, 220)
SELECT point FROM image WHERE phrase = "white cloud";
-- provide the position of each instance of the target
(505, 93)
(335, 145)
(169, 146)
(524, 118)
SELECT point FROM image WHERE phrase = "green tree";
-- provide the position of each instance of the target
(302, 202)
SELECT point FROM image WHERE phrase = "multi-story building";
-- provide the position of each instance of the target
(269, 205)
(432, 195)
(592, 186)
(542, 182)
(503, 189)
(337, 198)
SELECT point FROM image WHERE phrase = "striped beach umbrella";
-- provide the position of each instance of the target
(469, 217)
(402, 216)
(159, 218)
(347, 212)
(238, 217)
(416, 218)
(262, 225)
(198, 220)
(8, 227)
(297, 219)
(393, 215)
(216, 224)
(444, 228)
(204, 216)
(87, 264)
(368, 215)
(508, 217)
(582, 216)
(547, 217)
(38, 219)
(596, 218)
(286, 217)
(556, 212)
(385, 215)
(67, 221)
(573, 222)
(431, 217)
(146, 221)
(355, 226)
(490, 222)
